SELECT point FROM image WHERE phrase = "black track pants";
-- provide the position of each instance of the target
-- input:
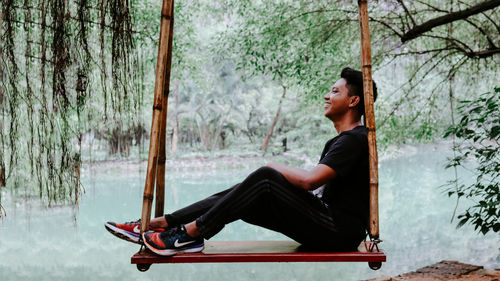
(265, 198)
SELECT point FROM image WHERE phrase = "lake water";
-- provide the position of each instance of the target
(66, 243)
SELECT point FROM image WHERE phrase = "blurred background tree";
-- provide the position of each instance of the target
(77, 78)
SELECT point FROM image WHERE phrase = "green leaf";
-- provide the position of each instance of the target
(462, 222)
(495, 131)
(484, 229)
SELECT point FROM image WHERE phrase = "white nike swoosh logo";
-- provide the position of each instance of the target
(136, 229)
(177, 244)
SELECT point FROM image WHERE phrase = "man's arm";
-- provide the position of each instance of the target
(309, 180)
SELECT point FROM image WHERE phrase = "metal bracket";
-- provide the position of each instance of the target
(370, 247)
(374, 244)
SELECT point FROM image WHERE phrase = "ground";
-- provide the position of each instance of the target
(447, 270)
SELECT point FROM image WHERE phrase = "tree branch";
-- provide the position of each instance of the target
(445, 19)
(407, 12)
(423, 52)
(428, 71)
(483, 53)
(461, 46)
(466, 50)
(387, 25)
(492, 21)
(431, 6)
(488, 38)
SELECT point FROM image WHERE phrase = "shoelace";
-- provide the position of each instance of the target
(170, 232)
(133, 222)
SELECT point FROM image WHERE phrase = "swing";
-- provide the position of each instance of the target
(249, 251)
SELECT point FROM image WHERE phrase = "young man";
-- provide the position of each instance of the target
(279, 197)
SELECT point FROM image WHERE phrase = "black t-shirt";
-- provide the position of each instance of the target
(347, 195)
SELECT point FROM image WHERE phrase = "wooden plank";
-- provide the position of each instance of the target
(366, 67)
(259, 251)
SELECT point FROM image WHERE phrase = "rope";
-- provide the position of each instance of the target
(372, 244)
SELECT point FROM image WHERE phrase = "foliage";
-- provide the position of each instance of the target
(279, 40)
(75, 74)
(310, 42)
(66, 69)
(479, 133)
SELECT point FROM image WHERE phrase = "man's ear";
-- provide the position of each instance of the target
(354, 100)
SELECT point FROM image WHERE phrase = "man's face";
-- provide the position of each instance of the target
(337, 100)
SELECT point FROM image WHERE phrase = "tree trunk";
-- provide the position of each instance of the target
(218, 130)
(77, 185)
(2, 167)
(175, 133)
(275, 121)
(2, 176)
(223, 139)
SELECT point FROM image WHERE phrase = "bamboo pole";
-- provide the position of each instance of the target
(166, 13)
(366, 66)
(162, 158)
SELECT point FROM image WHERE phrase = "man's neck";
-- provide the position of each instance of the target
(346, 125)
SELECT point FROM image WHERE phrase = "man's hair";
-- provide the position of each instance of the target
(354, 84)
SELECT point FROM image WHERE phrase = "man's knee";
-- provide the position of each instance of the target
(266, 172)
(267, 178)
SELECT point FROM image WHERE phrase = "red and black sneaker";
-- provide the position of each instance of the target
(173, 241)
(130, 231)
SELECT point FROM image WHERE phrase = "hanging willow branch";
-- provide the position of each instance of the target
(120, 48)
(8, 47)
(46, 89)
(29, 88)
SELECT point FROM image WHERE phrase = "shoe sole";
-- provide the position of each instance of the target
(171, 252)
(122, 234)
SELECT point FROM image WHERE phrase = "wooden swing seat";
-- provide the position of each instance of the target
(261, 251)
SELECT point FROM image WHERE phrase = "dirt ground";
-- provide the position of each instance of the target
(446, 270)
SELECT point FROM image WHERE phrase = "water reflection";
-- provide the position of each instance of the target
(71, 244)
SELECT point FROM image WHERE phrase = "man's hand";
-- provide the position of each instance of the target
(309, 180)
